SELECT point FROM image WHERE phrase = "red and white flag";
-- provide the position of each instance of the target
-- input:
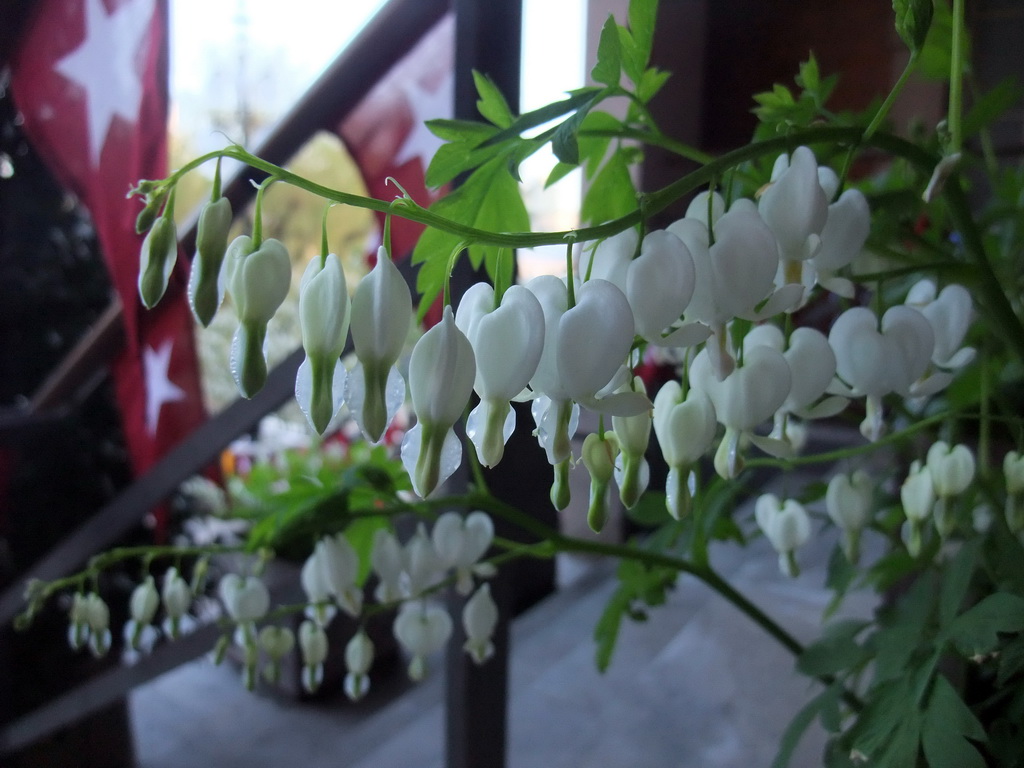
(385, 132)
(89, 78)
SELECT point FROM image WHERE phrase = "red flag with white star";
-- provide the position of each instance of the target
(89, 78)
(385, 132)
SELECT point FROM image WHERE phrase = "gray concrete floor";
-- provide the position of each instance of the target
(696, 685)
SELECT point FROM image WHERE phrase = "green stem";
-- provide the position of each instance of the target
(956, 80)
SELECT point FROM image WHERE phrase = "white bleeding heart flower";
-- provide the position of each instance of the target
(441, 374)
(507, 341)
(632, 473)
(324, 314)
(813, 366)
(733, 277)
(144, 602)
(246, 599)
(952, 471)
(358, 660)
(842, 239)
(479, 618)
(421, 562)
(872, 362)
(339, 567)
(949, 314)
(461, 542)
(747, 397)
(787, 527)
(386, 560)
(848, 501)
(380, 319)
(422, 629)
(1013, 472)
(685, 430)
(795, 208)
(313, 645)
(276, 642)
(659, 284)
(917, 495)
(177, 597)
(317, 590)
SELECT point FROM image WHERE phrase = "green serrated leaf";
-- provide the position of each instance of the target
(642, 17)
(461, 130)
(593, 148)
(991, 105)
(558, 172)
(977, 629)
(948, 723)
(565, 142)
(830, 655)
(956, 578)
(650, 83)
(608, 68)
(913, 18)
(630, 56)
(1011, 661)
(935, 60)
(611, 193)
(795, 731)
(491, 104)
(360, 534)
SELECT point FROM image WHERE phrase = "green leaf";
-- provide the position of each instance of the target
(608, 68)
(948, 723)
(956, 578)
(360, 533)
(1011, 661)
(545, 114)
(977, 629)
(490, 200)
(491, 104)
(630, 56)
(650, 83)
(991, 105)
(565, 143)
(936, 60)
(795, 731)
(611, 193)
(913, 18)
(650, 510)
(461, 130)
(835, 651)
(558, 172)
(642, 17)
(593, 148)
(638, 585)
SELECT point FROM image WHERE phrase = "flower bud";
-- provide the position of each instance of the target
(144, 602)
(159, 253)
(358, 660)
(848, 503)
(951, 469)
(313, 645)
(205, 283)
(918, 497)
(599, 455)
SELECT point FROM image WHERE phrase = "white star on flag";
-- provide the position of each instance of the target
(104, 65)
(159, 388)
(425, 105)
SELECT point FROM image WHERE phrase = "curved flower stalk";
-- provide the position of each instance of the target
(507, 343)
(258, 281)
(685, 429)
(632, 473)
(848, 501)
(479, 618)
(873, 363)
(206, 278)
(324, 314)
(952, 471)
(422, 628)
(813, 366)
(381, 315)
(441, 374)
(786, 525)
(460, 543)
(746, 398)
(917, 495)
(733, 278)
